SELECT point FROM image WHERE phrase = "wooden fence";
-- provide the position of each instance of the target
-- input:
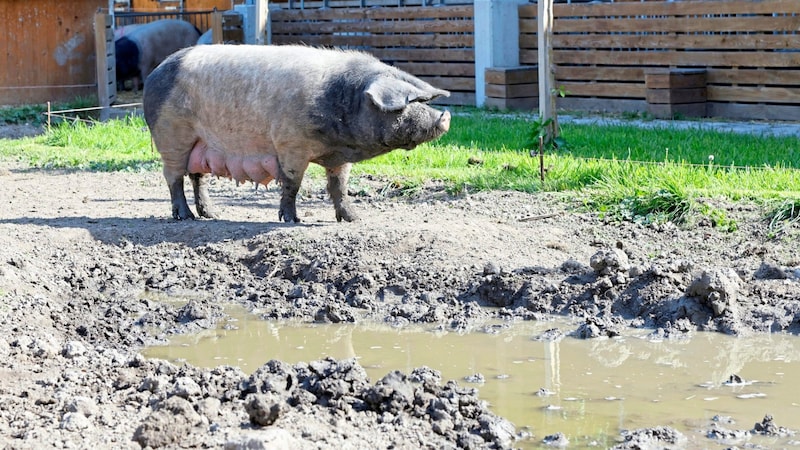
(46, 50)
(749, 49)
(436, 44)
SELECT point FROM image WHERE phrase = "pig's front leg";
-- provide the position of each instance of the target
(205, 207)
(337, 189)
(291, 170)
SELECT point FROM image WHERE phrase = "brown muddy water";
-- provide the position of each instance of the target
(589, 390)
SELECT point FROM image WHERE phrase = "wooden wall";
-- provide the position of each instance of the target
(47, 50)
(433, 43)
(188, 5)
(750, 49)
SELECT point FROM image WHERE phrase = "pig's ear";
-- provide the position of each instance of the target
(391, 94)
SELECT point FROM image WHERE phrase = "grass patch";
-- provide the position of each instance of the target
(122, 144)
(646, 175)
(784, 214)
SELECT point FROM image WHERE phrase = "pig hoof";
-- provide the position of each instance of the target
(182, 214)
(208, 213)
(288, 217)
(345, 215)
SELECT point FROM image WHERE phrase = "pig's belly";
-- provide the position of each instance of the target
(260, 168)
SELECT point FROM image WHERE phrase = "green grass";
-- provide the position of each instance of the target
(626, 172)
(122, 144)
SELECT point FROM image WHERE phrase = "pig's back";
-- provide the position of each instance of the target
(252, 87)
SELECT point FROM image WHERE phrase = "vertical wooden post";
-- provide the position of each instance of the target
(216, 27)
(262, 22)
(546, 75)
(106, 63)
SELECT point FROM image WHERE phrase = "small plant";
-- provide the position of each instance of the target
(785, 214)
(718, 219)
(547, 129)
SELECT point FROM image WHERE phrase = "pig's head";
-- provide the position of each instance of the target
(397, 107)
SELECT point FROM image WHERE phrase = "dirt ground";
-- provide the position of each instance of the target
(85, 257)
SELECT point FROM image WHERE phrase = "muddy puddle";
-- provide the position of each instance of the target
(588, 390)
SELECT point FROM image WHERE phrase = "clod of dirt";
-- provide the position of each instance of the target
(767, 427)
(718, 289)
(595, 327)
(609, 261)
(264, 409)
(661, 437)
(171, 422)
(556, 440)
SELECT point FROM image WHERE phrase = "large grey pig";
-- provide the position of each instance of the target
(262, 113)
(143, 47)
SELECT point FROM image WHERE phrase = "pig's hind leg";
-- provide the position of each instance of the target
(180, 208)
(202, 201)
(337, 189)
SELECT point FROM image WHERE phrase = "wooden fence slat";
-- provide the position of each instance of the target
(683, 8)
(377, 27)
(451, 83)
(379, 41)
(754, 94)
(425, 12)
(415, 13)
(674, 58)
(612, 90)
(682, 24)
(438, 68)
(627, 74)
(680, 41)
(455, 55)
(760, 76)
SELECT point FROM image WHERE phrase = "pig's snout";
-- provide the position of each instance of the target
(444, 121)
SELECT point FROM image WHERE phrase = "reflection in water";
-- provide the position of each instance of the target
(587, 389)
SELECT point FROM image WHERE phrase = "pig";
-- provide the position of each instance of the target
(206, 38)
(125, 30)
(142, 48)
(263, 113)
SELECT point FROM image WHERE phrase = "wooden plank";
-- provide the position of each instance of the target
(451, 83)
(675, 78)
(601, 104)
(512, 90)
(676, 96)
(377, 27)
(519, 104)
(419, 55)
(679, 41)
(397, 40)
(758, 76)
(688, 8)
(677, 58)
(457, 98)
(443, 69)
(408, 13)
(583, 73)
(754, 94)
(512, 75)
(678, 24)
(614, 90)
(5, 41)
(424, 12)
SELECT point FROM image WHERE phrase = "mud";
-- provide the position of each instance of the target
(86, 260)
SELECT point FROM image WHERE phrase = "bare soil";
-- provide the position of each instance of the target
(87, 258)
